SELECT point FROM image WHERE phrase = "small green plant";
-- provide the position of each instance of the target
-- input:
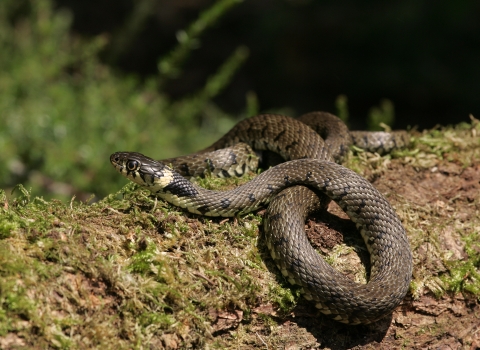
(341, 104)
(380, 117)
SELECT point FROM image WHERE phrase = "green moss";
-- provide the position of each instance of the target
(286, 298)
(156, 319)
(144, 260)
(130, 268)
(464, 275)
(16, 279)
(8, 223)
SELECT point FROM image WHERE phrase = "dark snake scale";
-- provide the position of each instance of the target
(294, 189)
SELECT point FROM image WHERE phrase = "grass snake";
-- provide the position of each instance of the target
(308, 179)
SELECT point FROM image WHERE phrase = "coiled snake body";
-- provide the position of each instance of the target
(293, 189)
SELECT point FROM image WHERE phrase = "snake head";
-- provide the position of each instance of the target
(126, 162)
(141, 169)
(135, 166)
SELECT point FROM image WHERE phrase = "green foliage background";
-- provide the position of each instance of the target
(63, 112)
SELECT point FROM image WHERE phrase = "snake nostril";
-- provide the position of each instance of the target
(114, 158)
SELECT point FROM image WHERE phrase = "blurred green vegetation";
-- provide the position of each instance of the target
(63, 112)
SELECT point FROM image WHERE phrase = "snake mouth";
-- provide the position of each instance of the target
(118, 161)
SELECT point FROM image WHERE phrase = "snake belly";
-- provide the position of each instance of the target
(292, 189)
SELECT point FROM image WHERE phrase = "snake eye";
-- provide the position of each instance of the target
(132, 165)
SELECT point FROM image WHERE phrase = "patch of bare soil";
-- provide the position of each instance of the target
(450, 194)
